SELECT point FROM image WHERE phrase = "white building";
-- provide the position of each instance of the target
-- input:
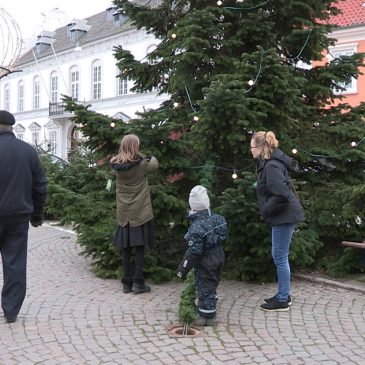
(76, 60)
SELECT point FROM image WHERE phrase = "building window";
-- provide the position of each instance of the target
(123, 86)
(52, 138)
(20, 96)
(19, 131)
(54, 87)
(35, 129)
(35, 138)
(75, 83)
(7, 97)
(351, 86)
(96, 81)
(36, 93)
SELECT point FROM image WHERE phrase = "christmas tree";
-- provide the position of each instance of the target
(231, 68)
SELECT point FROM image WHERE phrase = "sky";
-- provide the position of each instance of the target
(33, 16)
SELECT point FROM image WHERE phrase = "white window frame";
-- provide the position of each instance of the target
(52, 141)
(344, 50)
(20, 96)
(53, 87)
(19, 131)
(35, 129)
(36, 92)
(122, 86)
(75, 83)
(7, 97)
(96, 79)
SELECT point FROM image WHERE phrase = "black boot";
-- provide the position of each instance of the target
(127, 285)
(140, 286)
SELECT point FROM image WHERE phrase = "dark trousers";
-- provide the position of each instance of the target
(13, 248)
(130, 275)
(207, 275)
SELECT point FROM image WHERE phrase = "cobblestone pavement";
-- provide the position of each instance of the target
(72, 317)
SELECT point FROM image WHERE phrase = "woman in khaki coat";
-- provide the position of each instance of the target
(135, 229)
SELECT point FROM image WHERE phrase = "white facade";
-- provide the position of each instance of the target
(89, 75)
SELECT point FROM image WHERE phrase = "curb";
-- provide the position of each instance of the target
(314, 279)
(46, 224)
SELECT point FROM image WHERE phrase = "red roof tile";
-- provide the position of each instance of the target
(352, 13)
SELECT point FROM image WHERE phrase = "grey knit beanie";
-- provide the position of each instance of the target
(198, 198)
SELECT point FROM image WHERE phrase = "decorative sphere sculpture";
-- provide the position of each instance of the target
(10, 42)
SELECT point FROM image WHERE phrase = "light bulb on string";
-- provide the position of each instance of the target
(173, 35)
(353, 144)
(195, 118)
(161, 142)
(112, 124)
(176, 104)
(219, 2)
(251, 82)
(234, 175)
(294, 151)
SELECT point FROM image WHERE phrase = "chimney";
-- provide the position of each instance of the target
(77, 28)
(44, 40)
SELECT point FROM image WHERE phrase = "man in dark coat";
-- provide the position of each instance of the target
(23, 189)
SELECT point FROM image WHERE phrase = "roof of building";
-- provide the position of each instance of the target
(352, 13)
(101, 26)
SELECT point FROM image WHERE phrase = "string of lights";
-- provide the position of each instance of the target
(233, 170)
(220, 2)
(305, 44)
(352, 144)
(252, 83)
(189, 98)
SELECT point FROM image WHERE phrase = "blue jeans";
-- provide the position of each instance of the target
(281, 239)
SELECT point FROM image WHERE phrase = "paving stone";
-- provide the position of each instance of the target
(71, 317)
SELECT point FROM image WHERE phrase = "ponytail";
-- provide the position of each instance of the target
(267, 142)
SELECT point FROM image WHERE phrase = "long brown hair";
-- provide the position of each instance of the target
(266, 141)
(128, 150)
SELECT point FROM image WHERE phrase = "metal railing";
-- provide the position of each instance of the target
(57, 109)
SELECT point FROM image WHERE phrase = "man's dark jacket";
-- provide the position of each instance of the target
(23, 185)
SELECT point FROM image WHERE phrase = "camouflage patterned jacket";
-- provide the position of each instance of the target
(205, 233)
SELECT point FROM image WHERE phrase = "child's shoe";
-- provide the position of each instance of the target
(210, 322)
(200, 321)
(204, 322)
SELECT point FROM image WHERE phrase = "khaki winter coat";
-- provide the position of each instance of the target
(133, 192)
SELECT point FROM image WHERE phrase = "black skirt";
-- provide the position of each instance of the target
(127, 236)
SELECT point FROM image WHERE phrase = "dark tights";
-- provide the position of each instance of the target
(129, 275)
